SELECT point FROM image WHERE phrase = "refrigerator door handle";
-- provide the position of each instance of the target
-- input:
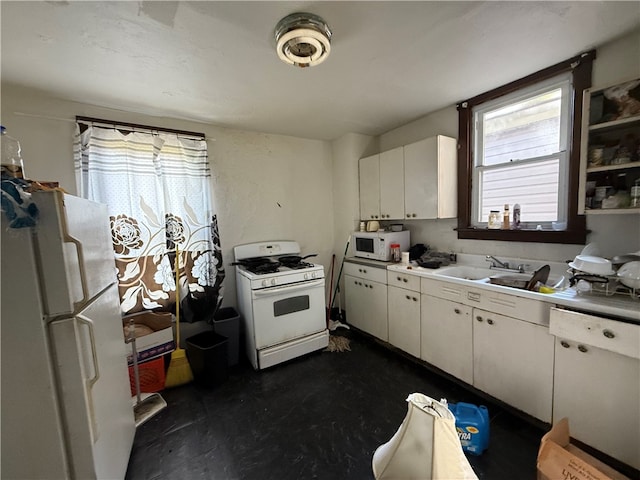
(96, 375)
(94, 354)
(79, 252)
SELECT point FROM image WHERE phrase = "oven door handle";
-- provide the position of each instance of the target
(288, 288)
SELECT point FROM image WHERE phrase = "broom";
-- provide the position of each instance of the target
(179, 371)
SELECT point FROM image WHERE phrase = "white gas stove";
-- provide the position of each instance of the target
(281, 299)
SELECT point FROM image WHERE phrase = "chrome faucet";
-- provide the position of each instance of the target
(496, 263)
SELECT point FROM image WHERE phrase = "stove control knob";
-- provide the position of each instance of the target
(306, 276)
(313, 274)
(265, 283)
(273, 281)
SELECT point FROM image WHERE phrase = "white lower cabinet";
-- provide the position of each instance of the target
(597, 382)
(366, 299)
(446, 338)
(404, 319)
(513, 361)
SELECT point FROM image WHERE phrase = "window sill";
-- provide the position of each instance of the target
(538, 236)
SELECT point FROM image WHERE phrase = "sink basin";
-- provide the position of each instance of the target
(504, 279)
(465, 272)
(514, 280)
(520, 280)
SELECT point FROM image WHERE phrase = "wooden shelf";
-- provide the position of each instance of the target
(609, 211)
(614, 123)
(606, 168)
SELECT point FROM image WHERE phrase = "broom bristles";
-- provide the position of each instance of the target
(179, 371)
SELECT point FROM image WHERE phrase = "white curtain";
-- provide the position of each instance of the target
(158, 190)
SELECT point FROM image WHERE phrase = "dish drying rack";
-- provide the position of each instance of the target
(603, 285)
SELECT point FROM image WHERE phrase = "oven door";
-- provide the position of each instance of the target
(288, 312)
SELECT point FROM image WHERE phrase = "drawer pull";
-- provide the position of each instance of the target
(405, 280)
(608, 334)
(399, 278)
(564, 344)
(479, 318)
(583, 349)
(457, 310)
(489, 321)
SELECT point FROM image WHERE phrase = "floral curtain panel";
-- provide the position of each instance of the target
(157, 188)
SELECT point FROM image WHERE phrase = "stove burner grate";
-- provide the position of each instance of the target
(267, 267)
(297, 265)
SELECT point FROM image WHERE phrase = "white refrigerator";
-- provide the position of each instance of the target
(67, 410)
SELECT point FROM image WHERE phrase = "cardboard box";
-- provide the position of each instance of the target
(558, 459)
(157, 338)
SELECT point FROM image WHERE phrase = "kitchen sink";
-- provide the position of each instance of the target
(495, 277)
(520, 280)
(465, 271)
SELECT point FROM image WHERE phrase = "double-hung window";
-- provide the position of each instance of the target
(520, 144)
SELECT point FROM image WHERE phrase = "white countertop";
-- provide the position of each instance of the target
(622, 306)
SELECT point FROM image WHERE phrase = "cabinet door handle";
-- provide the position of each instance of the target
(583, 349)
(408, 297)
(405, 280)
(489, 321)
(479, 318)
(371, 287)
(415, 299)
(399, 279)
(457, 310)
(608, 334)
(413, 214)
(564, 344)
(408, 215)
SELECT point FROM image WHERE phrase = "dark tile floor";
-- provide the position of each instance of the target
(316, 417)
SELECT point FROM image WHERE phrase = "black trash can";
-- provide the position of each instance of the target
(207, 354)
(226, 322)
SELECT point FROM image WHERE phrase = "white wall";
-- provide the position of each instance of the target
(266, 187)
(615, 234)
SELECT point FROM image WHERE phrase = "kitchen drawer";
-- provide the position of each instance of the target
(607, 334)
(527, 309)
(403, 280)
(367, 272)
(440, 289)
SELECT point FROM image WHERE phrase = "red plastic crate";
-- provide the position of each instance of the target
(152, 376)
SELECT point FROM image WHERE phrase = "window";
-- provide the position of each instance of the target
(157, 187)
(520, 144)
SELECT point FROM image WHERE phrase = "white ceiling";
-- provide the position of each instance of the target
(215, 62)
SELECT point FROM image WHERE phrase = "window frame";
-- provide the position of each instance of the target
(580, 67)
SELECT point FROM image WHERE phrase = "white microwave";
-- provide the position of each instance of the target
(377, 245)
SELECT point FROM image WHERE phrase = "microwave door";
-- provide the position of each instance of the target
(364, 245)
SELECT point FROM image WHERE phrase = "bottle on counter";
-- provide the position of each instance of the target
(635, 194)
(506, 221)
(516, 217)
(395, 252)
(11, 164)
(494, 220)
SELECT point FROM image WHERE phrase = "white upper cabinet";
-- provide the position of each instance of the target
(392, 184)
(416, 181)
(430, 178)
(369, 173)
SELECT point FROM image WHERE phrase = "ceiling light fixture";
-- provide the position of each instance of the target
(303, 39)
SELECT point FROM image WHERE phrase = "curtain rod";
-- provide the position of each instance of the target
(134, 126)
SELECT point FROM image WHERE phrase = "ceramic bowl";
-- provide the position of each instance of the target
(629, 274)
(592, 265)
(396, 227)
